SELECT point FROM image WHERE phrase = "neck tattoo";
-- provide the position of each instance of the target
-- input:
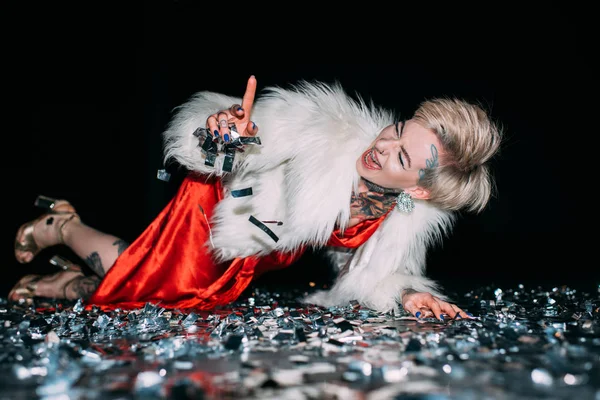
(373, 187)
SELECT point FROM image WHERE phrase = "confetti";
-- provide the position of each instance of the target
(523, 343)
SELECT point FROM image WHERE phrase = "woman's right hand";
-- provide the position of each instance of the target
(238, 114)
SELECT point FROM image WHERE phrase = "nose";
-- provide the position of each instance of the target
(386, 145)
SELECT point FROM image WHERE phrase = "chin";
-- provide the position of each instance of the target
(362, 171)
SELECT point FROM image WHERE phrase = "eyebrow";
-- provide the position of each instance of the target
(402, 147)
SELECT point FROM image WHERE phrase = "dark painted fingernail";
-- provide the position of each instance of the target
(216, 133)
(253, 125)
(418, 314)
(458, 316)
(240, 109)
(469, 314)
(442, 317)
(226, 137)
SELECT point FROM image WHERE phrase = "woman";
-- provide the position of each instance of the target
(327, 172)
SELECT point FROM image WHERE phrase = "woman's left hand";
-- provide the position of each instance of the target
(424, 304)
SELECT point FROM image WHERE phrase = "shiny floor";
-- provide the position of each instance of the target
(525, 343)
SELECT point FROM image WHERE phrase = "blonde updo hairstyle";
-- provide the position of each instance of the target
(469, 139)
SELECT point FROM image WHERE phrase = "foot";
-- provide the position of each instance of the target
(45, 231)
(70, 284)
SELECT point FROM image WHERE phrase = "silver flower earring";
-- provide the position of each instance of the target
(405, 203)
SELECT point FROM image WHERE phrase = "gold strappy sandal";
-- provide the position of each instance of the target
(27, 244)
(26, 288)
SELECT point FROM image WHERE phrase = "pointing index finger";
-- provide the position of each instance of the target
(248, 99)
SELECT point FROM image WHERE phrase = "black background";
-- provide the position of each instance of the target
(87, 94)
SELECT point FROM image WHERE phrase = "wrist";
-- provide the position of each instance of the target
(405, 292)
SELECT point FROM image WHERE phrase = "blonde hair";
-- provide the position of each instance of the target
(469, 139)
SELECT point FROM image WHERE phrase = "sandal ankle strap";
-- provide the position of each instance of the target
(62, 226)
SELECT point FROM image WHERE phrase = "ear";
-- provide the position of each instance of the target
(418, 193)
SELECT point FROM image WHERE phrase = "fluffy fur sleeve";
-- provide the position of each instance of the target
(179, 141)
(392, 260)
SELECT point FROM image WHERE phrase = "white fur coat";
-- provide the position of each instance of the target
(303, 174)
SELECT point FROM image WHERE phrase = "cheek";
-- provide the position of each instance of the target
(400, 180)
(391, 179)
(404, 179)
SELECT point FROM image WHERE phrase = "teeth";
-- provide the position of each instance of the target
(370, 159)
(373, 157)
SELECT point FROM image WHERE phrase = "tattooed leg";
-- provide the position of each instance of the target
(68, 284)
(100, 250)
(121, 246)
(95, 263)
(81, 287)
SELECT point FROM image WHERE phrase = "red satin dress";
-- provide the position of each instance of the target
(169, 262)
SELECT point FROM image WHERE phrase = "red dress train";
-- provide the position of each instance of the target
(169, 262)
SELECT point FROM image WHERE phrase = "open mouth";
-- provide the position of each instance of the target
(369, 159)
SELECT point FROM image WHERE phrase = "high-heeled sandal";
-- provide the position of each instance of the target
(26, 288)
(28, 243)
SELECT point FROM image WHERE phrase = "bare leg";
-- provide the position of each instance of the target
(81, 287)
(70, 284)
(98, 249)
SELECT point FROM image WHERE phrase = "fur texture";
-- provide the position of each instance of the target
(303, 175)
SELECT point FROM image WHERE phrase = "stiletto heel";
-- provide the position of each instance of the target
(61, 262)
(27, 244)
